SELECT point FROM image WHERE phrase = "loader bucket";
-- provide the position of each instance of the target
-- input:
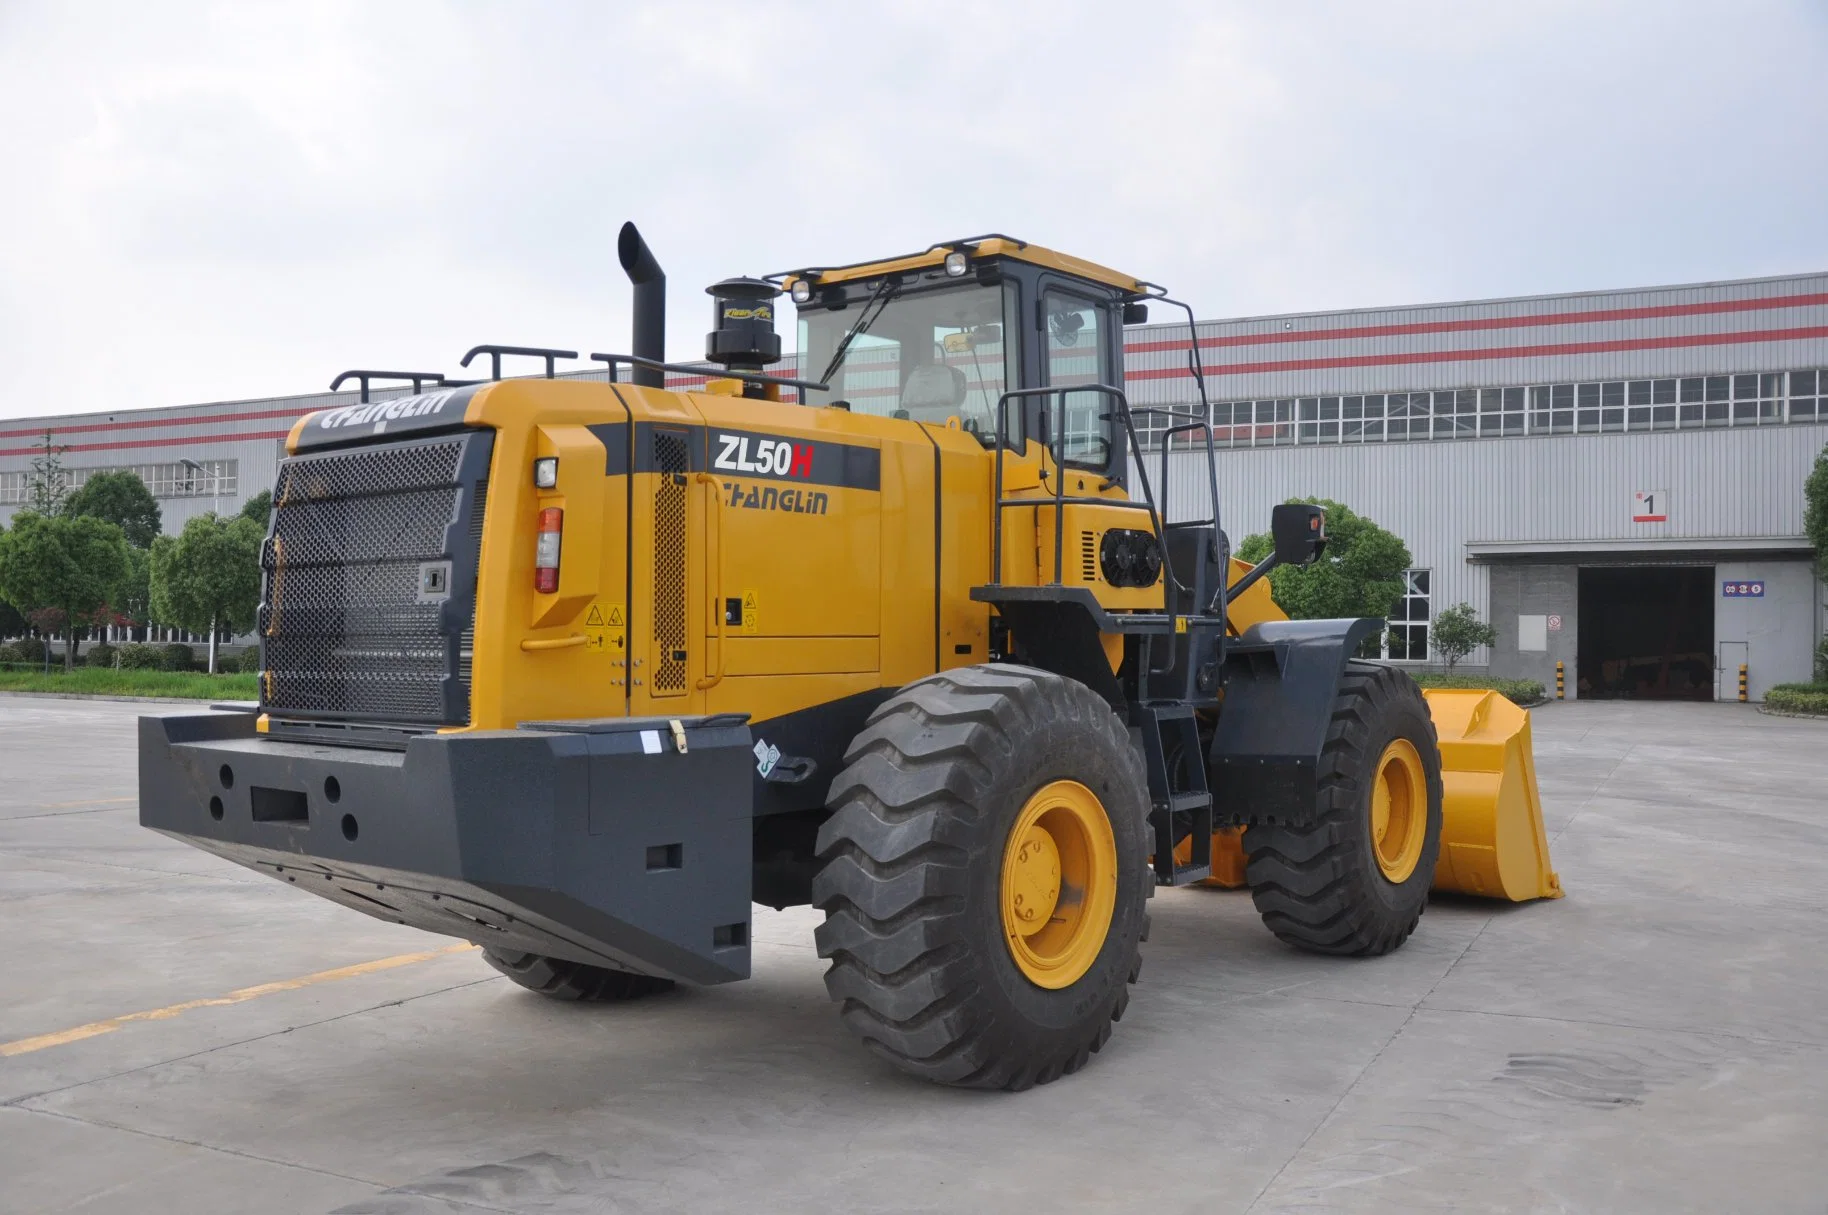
(1492, 840)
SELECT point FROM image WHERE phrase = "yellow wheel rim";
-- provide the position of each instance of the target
(1059, 884)
(1399, 810)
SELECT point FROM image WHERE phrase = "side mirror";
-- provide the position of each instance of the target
(1299, 532)
(1136, 314)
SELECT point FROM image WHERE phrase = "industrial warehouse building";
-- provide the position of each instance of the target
(1613, 479)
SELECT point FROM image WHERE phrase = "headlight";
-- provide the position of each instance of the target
(546, 472)
(802, 291)
(956, 264)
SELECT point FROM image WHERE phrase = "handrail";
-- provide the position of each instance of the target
(533, 352)
(1057, 446)
(362, 377)
(534, 645)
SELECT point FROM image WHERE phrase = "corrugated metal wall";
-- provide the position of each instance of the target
(1767, 325)
(1566, 490)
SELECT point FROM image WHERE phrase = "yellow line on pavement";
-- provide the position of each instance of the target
(26, 1046)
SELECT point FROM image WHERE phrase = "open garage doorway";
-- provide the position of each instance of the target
(1647, 632)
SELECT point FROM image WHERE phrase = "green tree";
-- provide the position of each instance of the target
(258, 508)
(64, 564)
(12, 624)
(1458, 631)
(1360, 574)
(47, 484)
(133, 597)
(208, 577)
(1815, 511)
(123, 500)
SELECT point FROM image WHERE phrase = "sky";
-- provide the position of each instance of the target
(219, 201)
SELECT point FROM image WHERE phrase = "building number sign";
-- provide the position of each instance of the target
(1650, 506)
(1753, 589)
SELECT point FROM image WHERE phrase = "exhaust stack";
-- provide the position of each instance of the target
(650, 304)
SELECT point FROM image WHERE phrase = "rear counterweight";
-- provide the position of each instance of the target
(600, 842)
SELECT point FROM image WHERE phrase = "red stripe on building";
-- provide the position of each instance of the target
(125, 445)
(1497, 352)
(208, 420)
(1487, 322)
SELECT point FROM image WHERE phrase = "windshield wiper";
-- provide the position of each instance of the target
(887, 290)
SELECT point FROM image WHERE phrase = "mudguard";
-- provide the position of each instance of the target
(1282, 679)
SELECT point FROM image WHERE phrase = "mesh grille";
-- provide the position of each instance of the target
(670, 462)
(341, 619)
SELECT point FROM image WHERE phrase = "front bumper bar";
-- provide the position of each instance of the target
(598, 841)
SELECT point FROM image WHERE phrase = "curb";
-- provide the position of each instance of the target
(144, 700)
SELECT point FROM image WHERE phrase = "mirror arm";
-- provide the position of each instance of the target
(1250, 578)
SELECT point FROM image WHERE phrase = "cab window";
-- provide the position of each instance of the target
(1078, 352)
(926, 355)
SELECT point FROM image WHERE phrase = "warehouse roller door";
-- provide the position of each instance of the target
(1646, 632)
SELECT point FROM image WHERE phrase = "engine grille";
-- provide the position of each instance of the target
(671, 456)
(369, 581)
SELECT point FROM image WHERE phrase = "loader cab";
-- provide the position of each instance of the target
(940, 336)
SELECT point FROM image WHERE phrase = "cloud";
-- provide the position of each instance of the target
(221, 201)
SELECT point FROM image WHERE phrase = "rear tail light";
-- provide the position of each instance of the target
(546, 555)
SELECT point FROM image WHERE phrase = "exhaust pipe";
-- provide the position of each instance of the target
(650, 304)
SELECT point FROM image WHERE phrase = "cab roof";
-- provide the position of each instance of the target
(994, 245)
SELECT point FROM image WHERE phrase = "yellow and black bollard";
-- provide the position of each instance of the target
(1561, 684)
(1742, 692)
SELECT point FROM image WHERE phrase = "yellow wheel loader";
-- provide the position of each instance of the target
(578, 671)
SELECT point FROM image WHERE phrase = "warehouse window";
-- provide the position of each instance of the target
(197, 479)
(184, 479)
(1598, 407)
(1805, 405)
(1406, 640)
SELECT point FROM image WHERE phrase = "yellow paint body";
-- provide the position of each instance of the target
(840, 596)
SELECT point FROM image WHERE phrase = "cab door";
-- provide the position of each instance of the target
(1080, 342)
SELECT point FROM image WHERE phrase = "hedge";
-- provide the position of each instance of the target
(138, 656)
(1525, 692)
(26, 650)
(1799, 698)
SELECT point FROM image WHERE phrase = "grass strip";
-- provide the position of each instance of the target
(105, 681)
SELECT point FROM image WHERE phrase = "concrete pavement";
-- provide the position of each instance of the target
(1657, 1041)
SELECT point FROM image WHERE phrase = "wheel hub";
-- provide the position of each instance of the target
(1399, 810)
(1035, 879)
(1059, 884)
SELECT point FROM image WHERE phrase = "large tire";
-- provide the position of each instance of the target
(1321, 886)
(916, 877)
(566, 980)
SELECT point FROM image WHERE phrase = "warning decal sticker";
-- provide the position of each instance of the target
(605, 629)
